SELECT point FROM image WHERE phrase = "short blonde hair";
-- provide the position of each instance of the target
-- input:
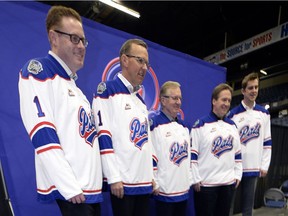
(167, 85)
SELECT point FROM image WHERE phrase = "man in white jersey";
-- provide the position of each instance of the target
(253, 122)
(121, 118)
(216, 157)
(57, 117)
(172, 156)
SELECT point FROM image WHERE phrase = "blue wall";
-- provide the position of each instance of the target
(23, 36)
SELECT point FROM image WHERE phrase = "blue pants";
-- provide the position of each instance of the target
(248, 188)
(246, 191)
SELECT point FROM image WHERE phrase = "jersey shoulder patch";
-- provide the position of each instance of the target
(196, 123)
(151, 122)
(34, 67)
(101, 88)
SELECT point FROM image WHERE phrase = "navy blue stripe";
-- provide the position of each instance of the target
(45, 136)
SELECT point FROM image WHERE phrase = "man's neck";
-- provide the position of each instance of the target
(218, 117)
(169, 116)
(248, 103)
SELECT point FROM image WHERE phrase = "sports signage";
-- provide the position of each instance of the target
(259, 41)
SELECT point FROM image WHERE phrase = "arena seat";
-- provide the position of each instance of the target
(275, 198)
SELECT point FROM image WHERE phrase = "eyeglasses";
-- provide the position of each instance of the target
(75, 39)
(140, 60)
(175, 98)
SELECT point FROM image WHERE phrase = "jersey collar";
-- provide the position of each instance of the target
(62, 63)
(128, 84)
(247, 107)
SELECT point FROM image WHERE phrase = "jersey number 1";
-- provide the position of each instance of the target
(100, 119)
(40, 112)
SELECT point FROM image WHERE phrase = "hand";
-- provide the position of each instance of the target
(197, 186)
(80, 198)
(117, 189)
(263, 173)
(155, 190)
(237, 183)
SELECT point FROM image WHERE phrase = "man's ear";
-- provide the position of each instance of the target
(124, 60)
(52, 37)
(161, 100)
(213, 101)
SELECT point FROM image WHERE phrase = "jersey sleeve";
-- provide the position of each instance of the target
(267, 144)
(195, 135)
(102, 107)
(36, 108)
(190, 158)
(153, 136)
(238, 156)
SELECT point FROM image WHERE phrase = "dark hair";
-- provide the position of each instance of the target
(125, 49)
(56, 13)
(249, 77)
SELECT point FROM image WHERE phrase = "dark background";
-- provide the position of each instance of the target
(200, 28)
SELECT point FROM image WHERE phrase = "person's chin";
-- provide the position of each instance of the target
(140, 81)
(80, 64)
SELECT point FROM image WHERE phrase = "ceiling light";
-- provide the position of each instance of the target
(263, 72)
(121, 7)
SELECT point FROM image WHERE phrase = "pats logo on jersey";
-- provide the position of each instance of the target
(178, 152)
(87, 128)
(34, 67)
(247, 133)
(221, 145)
(138, 132)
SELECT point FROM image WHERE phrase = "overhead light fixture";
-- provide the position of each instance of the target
(121, 7)
(263, 72)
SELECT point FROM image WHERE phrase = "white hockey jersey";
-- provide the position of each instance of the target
(216, 152)
(255, 135)
(171, 157)
(57, 117)
(122, 121)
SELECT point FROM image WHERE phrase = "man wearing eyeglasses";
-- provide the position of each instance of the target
(171, 156)
(57, 117)
(121, 118)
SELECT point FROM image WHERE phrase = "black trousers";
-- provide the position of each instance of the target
(171, 208)
(83, 209)
(214, 201)
(131, 205)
